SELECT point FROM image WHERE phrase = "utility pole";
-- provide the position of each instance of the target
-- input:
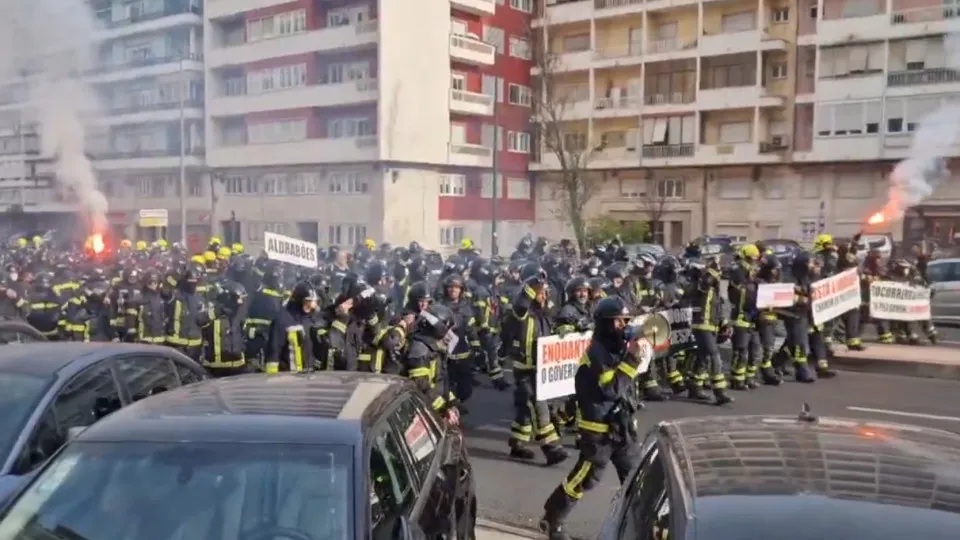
(184, 86)
(494, 165)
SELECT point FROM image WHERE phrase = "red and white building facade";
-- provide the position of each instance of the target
(337, 121)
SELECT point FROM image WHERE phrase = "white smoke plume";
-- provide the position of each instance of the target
(914, 179)
(52, 43)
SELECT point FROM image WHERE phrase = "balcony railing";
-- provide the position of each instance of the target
(475, 45)
(623, 51)
(608, 4)
(145, 154)
(472, 97)
(925, 14)
(167, 11)
(668, 151)
(238, 87)
(143, 62)
(194, 102)
(471, 149)
(671, 98)
(923, 76)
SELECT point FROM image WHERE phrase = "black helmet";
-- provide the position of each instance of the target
(611, 307)
(531, 270)
(574, 284)
(436, 320)
(303, 293)
(231, 295)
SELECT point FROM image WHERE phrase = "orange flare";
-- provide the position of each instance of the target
(876, 219)
(96, 242)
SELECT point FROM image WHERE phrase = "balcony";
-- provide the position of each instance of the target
(482, 8)
(472, 51)
(342, 150)
(721, 154)
(565, 12)
(923, 77)
(624, 55)
(238, 102)
(121, 160)
(923, 21)
(673, 102)
(37, 199)
(737, 97)
(226, 9)
(659, 50)
(470, 155)
(612, 107)
(872, 27)
(168, 18)
(739, 42)
(615, 158)
(472, 103)
(627, 5)
(144, 68)
(328, 39)
(168, 111)
(668, 151)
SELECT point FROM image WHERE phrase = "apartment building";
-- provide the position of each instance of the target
(337, 121)
(748, 117)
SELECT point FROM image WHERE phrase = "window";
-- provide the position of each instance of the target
(576, 43)
(486, 186)
(518, 188)
(348, 182)
(292, 22)
(810, 187)
(518, 141)
(518, 95)
(781, 15)
(852, 60)
(489, 85)
(147, 376)
(808, 230)
(647, 514)
(633, 188)
(277, 132)
(453, 185)
(847, 118)
(392, 491)
(346, 235)
(255, 229)
(420, 435)
(860, 8)
(813, 12)
(458, 81)
(738, 22)
(519, 48)
(525, 6)
(89, 397)
(735, 188)
(903, 115)
(451, 236)
(778, 71)
(670, 188)
(852, 185)
(340, 128)
(496, 37)
(736, 132)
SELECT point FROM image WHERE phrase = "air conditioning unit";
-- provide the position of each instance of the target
(780, 141)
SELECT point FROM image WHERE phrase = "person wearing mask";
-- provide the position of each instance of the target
(13, 302)
(184, 311)
(345, 325)
(766, 320)
(88, 319)
(291, 336)
(460, 370)
(707, 324)
(151, 310)
(647, 297)
(124, 299)
(45, 306)
(797, 320)
(527, 321)
(742, 294)
(222, 331)
(605, 396)
(265, 304)
(425, 359)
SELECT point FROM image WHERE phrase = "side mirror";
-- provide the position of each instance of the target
(74, 432)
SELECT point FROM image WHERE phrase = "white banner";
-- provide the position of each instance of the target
(557, 361)
(775, 295)
(833, 296)
(290, 250)
(895, 301)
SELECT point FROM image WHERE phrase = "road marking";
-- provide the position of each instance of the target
(906, 414)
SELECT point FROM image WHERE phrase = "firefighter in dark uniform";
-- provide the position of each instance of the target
(184, 311)
(527, 321)
(426, 356)
(481, 285)
(222, 330)
(606, 399)
(573, 317)
(151, 310)
(797, 321)
(291, 338)
(124, 299)
(265, 305)
(667, 272)
(343, 339)
(459, 369)
(708, 326)
(646, 297)
(13, 302)
(871, 271)
(88, 319)
(745, 342)
(45, 306)
(769, 271)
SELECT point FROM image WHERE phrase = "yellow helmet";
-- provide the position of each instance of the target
(209, 256)
(37, 240)
(370, 244)
(749, 251)
(162, 243)
(215, 240)
(237, 248)
(823, 240)
(22, 242)
(224, 253)
(466, 243)
(126, 243)
(198, 259)
(141, 245)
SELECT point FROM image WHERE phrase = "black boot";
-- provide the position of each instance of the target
(553, 530)
(720, 397)
(519, 451)
(696, 392)
(653, 393)
(738, 384)
(554, 454)
(824, 371)
(802, 373)
(770, 377)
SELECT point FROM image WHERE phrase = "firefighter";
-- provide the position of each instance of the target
(797, 321)
(290, 344)
(425, 360)
(88, 318)
(124, 299)
(459, 369)
(184, 311)
(45, 306)
(766, 320)
(151, 309)
(708, 327)
(745, 341)
(264, 306)
(222, 330)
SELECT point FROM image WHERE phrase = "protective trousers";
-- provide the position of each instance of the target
(746, 348)
(766, 334)
(460, 374)
(708, 360)
(884, 335)
(531, 419)
(817, 347)
(798, 330)
(851, 326)
(596, 452)
(255, 349)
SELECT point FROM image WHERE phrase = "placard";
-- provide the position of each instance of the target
(895, 301)
(289, 250)
(833, 296)
(557, 361)
(775, 295)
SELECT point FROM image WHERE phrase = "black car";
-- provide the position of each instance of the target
(310, 456)
(49, 389)
(789, 478)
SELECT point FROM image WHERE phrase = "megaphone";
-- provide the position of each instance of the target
(654, 328)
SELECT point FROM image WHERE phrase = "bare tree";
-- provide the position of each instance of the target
(552, 103)
(655, 203)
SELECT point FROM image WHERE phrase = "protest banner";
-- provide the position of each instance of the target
(557, 361)
(833, 296)
(775, 295)
(895, 301)
(290, 250)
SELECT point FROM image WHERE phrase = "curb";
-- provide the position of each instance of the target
(508, 529)
(909, 368)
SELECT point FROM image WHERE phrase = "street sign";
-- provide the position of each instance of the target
(154, 218)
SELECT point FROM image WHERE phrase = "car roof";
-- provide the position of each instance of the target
(945, 260)
(305, 408)
(49, 358)
(723, 457)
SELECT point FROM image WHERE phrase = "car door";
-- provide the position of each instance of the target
(392, 487)
(142, 376)
(189, 372)
(646, 508)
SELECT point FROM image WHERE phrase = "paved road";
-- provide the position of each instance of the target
(512, 492)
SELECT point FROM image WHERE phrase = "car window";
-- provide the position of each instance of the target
(647, 512)
(45, 440)
(90, 396)
(420, 435)
(20, 395)
(391, 487)
(148, 375)
(938, 273)
(187, 375)
(13, 336)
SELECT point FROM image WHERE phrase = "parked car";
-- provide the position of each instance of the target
(882, 243)
(327, 455)
(790, 478)
(944, 278)
(16, 331)
(49, 389)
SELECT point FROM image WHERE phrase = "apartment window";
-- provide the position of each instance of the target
(347, 16)
(738, 22)
(781, 15)
(525, 6)
(255, 229)
(808, 230)
(487, 134)
(860, 8)
(903, 115)
(518, 141)
(340, 128)
(670, 188)
(453, 185)
(810, 187)
(486, 186)
(347, 182)
(848, 118)
(735, 188)
(346, 235)
(849, 61)
(519, 48)
(458, 81)
(736, 132)
(814, 11)
(496, 37)
(574, 141)
(633, 188)
(292, 22)
(576, 43)
(519, 94)
(451, 236)
(518, 188)
(853, 185)
(778, 71)
(260, 29)
(277, 132)
(674, 130)
(291, 76)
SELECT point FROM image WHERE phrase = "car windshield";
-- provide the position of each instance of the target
(19, 396)
(176, 491)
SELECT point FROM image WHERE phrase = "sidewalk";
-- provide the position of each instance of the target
(909, 360)
(489, 530)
